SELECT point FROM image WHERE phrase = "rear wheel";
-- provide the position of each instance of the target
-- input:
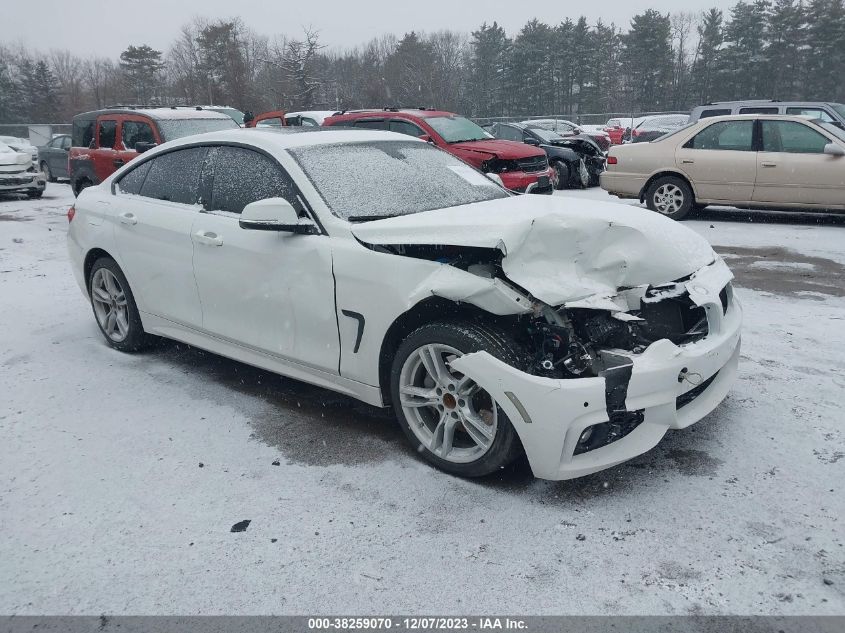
(114, 307)
(670, 196)
(449, 419)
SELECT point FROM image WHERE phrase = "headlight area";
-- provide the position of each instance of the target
(500, 166)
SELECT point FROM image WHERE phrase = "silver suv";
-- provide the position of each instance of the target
(828, 112)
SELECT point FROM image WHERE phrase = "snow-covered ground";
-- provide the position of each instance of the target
(121, 475)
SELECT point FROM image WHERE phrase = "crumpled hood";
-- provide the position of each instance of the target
(559, 249)
(507, 150)
(14, 158)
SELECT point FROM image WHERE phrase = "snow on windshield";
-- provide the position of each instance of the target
(177, 128)
(388, 178)
(454, 129)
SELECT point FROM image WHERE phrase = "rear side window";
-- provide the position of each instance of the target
(134, 180)
(175, 176)
(371, 125)
(136, 132)
(106, 133)
(792, 138)
(706, 114)
(758, 110)
(725, 135)
(405, 127)
(241, 176)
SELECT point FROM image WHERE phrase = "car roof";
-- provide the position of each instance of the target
(171, 113)
(773, 102)
(388, 112)
(290, 138)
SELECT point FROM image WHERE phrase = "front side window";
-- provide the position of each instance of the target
(792, 138)
(508, 133)
(175, 176)
(136, 132)
(177, 128)
(241, 176)
(725, 135)
(367, 181)
(134, 180)
(83, 132)
(106, 133)
(405, 127)
(455, 129)
(56, 143)
(65, 142)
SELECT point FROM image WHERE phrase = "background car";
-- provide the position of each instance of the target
(53, 157)
(309, 118)
(18, 174)
(521, 168)
(565, 128)
(576, 159)
(383, 268)
(21, 145)
(826, 111)
(769, 161)
(102, 141)
(615, 129)
(651, 127)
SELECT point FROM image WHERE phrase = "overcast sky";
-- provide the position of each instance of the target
(106, 27)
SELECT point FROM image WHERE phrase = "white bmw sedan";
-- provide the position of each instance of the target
(376, 265)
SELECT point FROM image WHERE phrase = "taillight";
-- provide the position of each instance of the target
(70, 213)
(611, 160)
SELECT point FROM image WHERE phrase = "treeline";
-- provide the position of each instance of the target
(779, 49)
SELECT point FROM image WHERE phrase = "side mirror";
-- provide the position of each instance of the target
(833, 149)
(143, 146)
(531, 141)
(426, 138)
(275, 214)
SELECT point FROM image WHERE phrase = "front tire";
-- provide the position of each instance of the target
(114, 307)
(670, 196)
(561, 175)
(450, 420)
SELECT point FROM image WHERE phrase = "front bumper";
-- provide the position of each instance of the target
(23, 181)
(528, 182)
(551, 414)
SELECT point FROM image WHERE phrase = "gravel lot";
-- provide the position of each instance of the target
(121, 476)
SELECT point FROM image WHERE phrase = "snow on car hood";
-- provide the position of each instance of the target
(559, 249)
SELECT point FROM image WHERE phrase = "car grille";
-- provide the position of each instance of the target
(15, 181)
(538, 163)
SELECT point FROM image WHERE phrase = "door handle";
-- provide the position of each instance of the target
(687, 161)
(128, 218)
(118, 162)
(209, 237)
(769, 164)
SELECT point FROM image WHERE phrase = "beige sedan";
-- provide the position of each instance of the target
(748, 161)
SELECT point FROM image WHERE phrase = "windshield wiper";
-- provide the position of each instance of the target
(368, 218)
(469, 140)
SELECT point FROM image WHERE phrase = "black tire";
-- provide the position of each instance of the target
(47, 173)
(680, 192)
(79, 185)
(562, 172)
(136, 339)
(466, 337)
(35, 194)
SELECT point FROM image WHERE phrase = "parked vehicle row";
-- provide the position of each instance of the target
(376, 265)
(18, 173)
(745, 160)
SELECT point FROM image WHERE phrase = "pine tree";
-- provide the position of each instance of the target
(647, 61)
(743, 60)
(824, 54)
(141, 67)
(486, 67)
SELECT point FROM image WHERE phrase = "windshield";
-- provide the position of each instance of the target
(673, 132)
(177, 128)
(455, 129)
(547, 135)
(368, 181)
(236, 115)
